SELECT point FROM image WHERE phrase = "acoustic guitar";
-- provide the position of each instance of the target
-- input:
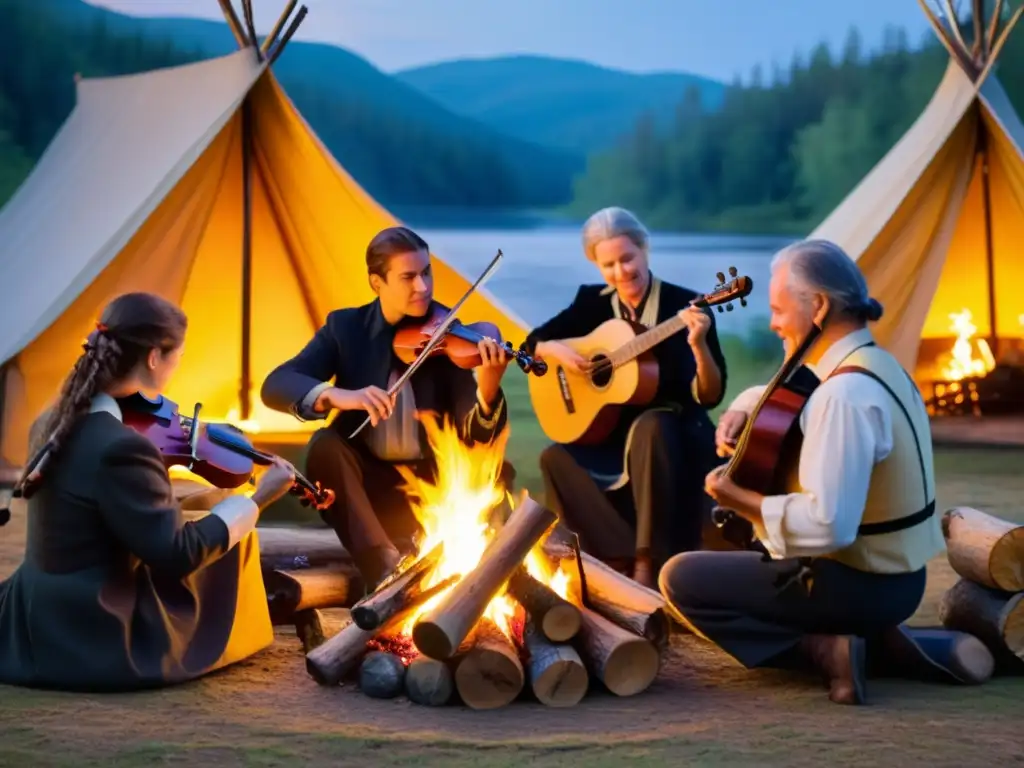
(585, 408)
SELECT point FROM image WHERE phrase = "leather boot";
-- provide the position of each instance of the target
(841, 659)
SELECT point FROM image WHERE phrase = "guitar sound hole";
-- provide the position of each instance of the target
(602, 373)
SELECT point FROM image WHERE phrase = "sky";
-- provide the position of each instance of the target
(716, 38)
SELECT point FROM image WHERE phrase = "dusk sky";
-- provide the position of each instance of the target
(717, 38)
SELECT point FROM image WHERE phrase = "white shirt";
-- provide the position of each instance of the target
(239, 513)
(847, 428)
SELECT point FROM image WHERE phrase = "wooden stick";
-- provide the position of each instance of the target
(626, 663)
(393, 593)
(557, 618)
(993, 27)
(488, 674)
(309, 628)
(954, 24)
(250, 27)
(272, 37)
(429, 682)
(558, 677)
(984, 548)
(289, 592)
(995, 618)
(279, 48)
(233, 24)
(439, 633)
(998, 47)
(979, 28)
(961, 56)
(289, 548)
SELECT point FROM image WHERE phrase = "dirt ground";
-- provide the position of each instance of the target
(703, 709)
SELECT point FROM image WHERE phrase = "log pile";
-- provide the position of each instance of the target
(987, 601)
(439, 641)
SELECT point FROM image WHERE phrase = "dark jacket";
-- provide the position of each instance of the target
(117, 591)
(592, 306)
(354, 348)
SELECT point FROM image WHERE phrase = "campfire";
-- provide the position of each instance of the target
(495, 604)
(955, 389)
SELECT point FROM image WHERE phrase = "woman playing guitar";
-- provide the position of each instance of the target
(117, 591)
(637, 496)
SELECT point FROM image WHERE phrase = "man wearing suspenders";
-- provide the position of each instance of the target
(859, 521)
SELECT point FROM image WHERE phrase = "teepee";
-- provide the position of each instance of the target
(204, 184)
(938, 225)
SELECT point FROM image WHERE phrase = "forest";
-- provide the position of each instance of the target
(786, 147)
(396, 152)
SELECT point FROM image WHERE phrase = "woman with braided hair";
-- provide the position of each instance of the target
(117, 590)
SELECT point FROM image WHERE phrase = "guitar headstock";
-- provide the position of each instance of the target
(726, 292)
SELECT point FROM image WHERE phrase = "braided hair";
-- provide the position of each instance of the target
(130, 327)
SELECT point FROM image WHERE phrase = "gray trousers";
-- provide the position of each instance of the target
(731, 598)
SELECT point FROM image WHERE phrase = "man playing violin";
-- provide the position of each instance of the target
(355, 348)
(858, 522)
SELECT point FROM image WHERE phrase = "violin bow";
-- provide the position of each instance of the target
(438, 334)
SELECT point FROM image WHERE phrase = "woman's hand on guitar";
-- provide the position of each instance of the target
(562, 353)
(274, 483)
(698, 322)
(373, 400)
(730, 425)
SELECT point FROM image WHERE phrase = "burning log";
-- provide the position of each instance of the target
(995, 618)
(337, 656)
(329, 663)
(440, 632)
(557, 618)
(985, 549)
(626, 663)
(429, 682)
(616, 596)
(558, 677)
(393, 594)
(289, 592)
(488, 673)
(294, 548)
(381, 675)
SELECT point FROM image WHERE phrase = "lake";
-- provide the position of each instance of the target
(544, 265)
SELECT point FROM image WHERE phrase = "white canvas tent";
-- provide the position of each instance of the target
(938, 225)
(204, 184)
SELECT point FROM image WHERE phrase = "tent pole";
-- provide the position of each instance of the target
(245, 395)
(986, 203)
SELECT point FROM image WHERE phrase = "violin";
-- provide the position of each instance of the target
(219, 453)
(459, 342)
(768, 449)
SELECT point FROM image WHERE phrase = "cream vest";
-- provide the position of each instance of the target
(900, 531)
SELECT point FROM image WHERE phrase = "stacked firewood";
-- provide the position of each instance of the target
(987, 601)
(608, 630)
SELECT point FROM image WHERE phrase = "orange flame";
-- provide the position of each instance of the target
(963, 363)
(457, 509)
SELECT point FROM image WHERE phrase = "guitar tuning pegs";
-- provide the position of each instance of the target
(743, 302)
(720, 310)
(720, 276)
(728, 307)
(732, 272)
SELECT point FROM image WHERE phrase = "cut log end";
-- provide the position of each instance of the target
(561, 623)
(625, 662)
(984, 548)
(489, 674)
(558, 677)
(432, 640)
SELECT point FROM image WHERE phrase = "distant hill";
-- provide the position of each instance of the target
(571, 105)
(402, 146)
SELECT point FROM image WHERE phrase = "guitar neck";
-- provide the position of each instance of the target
(646, 340)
